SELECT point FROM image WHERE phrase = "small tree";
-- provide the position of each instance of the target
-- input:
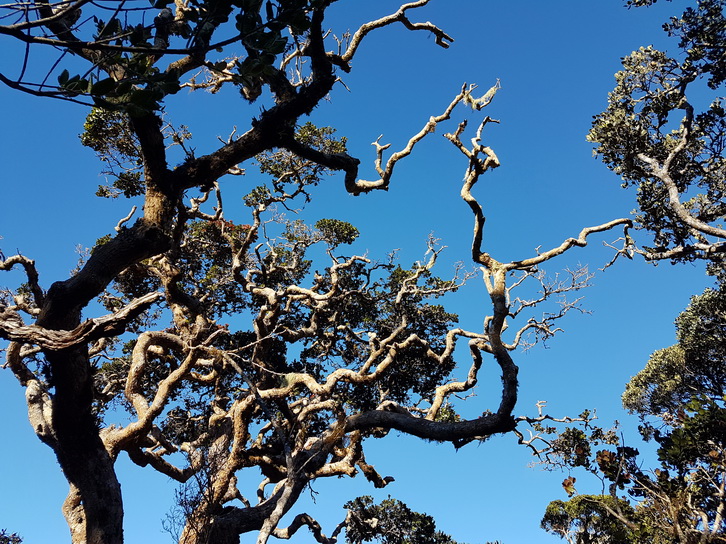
(587, 519)
(681, 500)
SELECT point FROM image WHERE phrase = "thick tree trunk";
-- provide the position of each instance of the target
(94, 508)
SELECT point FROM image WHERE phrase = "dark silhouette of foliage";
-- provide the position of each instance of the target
(391, 522)
(7, 538)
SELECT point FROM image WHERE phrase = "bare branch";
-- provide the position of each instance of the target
(580, 241)
(125, 220)
(305, 519)
(37, 398)
(30, 272)
(442, 39)
(674, 198)
(386, 172)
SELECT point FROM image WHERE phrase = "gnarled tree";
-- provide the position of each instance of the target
(225, 345)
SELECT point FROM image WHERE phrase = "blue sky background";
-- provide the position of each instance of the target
(556, 62)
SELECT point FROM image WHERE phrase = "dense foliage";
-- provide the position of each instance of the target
(658, 137)
(391, 522)
(692, 367)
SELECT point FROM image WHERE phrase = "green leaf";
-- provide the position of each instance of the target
(112, 28)
(124, 87)
(299, 23)
(277, 46)
(103, 103)
(103, 87)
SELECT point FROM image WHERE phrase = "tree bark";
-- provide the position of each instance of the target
(94, 507)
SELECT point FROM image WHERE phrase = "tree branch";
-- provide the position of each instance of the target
(11, 327)
(31, 273)
(442, 38)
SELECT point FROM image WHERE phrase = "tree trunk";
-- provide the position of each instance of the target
(94, 507)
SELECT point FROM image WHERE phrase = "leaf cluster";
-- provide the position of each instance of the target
(286, 167)
(9, 538)
(588, 519)
(108, 133)
(390, 522)
(692, 367)
(126, 76)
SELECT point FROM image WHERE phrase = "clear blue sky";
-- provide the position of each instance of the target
(556, 62)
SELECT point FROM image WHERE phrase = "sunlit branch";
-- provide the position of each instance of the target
(442, 38)
(579, 279)
(674, 199)
(536, 437)
(125, 220)
(477, 167)
(443, 391)
(144, 458)
(31, 273)
(148, 411)
(386, 172)
(195, 212)
(580, 241)
(37, 398)
(306, 520)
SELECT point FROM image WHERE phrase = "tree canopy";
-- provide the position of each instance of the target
(682, 498)
(654, 136)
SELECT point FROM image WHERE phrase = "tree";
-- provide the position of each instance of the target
(653, 137)
(587, 519)
(679, 399)
(694, 367)
(682, 500)
(231, 344)
(391, 522)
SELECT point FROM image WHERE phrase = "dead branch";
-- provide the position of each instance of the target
(442, 39)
